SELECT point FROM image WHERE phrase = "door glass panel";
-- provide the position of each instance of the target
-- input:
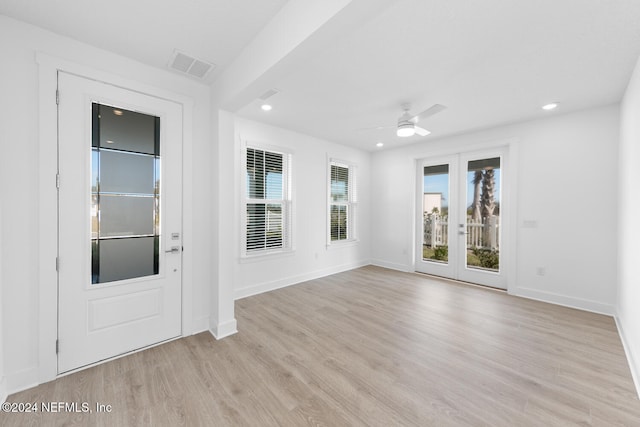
(125, 130)
(125, 194)
(123, 215)
(435, 210)
(121, 259)
(483, 214)
(124, 172)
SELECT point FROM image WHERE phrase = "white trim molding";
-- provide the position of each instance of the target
(405, 268)
(633, 365)
(22, 380)
(294, 280)
(564, 300)
(224, 329)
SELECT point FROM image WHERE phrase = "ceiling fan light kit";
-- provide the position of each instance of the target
(406, 129)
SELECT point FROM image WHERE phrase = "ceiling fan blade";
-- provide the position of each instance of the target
(434, 109)
(374, 128)
(421, 131)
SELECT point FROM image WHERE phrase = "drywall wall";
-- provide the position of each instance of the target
(566, 183)
(312, 257)
(20, 183)
(3, 382)
(628, 314)
(222, 321)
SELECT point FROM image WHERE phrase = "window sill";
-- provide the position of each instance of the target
(342, 244)
(265, 256)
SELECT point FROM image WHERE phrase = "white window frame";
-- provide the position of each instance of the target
(285, 202)
(351, 204)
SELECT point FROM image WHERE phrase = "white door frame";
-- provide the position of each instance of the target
(448, 269)
(509, 223)
(48, 204)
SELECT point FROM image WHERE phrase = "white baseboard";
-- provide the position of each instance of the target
(224, 329)
(566, 301)
(293, 280)
(633, 366)
(393, 266)
(22, 380)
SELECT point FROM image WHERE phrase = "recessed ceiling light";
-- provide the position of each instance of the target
(550, 106)
(117, 112)
(266, 107)
(379, 144)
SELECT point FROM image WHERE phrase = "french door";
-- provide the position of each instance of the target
(461, 216)
(120, 216)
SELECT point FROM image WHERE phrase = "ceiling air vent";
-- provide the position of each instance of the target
(268, 94)
(189, 65)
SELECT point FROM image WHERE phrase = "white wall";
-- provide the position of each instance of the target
(19, 182)
(3, 382)
(566, 182)
(628, 314)
(222, 321)
(311, 257)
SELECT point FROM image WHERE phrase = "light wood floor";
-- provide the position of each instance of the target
(367, 347)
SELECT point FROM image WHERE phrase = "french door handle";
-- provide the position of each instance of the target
(173, 250)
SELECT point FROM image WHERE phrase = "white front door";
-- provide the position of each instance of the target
(461, 217)
(120, 219)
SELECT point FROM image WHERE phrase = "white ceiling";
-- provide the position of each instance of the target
(149, 31)
(490, 62)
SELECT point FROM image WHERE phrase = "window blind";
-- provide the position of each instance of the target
(341, 202)
(267, 201)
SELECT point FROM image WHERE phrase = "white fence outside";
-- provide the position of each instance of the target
(480, 234)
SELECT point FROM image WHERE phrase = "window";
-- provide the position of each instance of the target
(267, 202)
(342, 202)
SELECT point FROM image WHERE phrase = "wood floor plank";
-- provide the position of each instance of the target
(370, 347)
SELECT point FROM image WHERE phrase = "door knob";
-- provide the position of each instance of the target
(174, 250)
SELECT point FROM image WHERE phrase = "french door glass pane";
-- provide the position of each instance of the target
(483, 214)
(125, 194)
(435, 210)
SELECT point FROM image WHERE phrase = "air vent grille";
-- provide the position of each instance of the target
(268, 94)
(189, 65)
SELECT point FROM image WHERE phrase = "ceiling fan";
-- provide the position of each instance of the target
(407, 122)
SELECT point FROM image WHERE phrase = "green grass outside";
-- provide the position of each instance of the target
(472, 260)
